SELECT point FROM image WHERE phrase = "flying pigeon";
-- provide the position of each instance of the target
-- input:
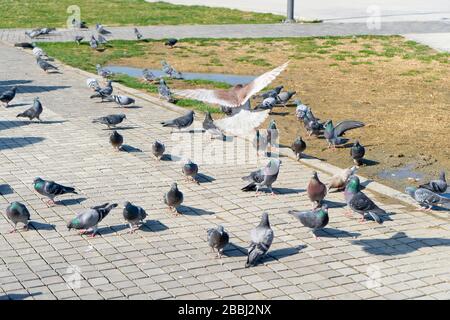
(211, 128)
(93, 84)
(78, 39)
(8, 95)
(284, 97)
(339, 180)
(263, 177)
(173, 198)
(148, 76)
(122, 100)
(101, 30)
(110, 120)
(164, 91)
(34, 112)
(217, 238)
(298, 146)
(116, 140)
(357, 153)
(358, 202)
(270, 93)
(17, 212)
(237, 95)
(427, 199)
(243, 123)
(180, 122)
(169, 70)
(190, 170)
(334, 134)
(103, 92)
(134, 215)
(158, 149)
(102, 72)
(171, 42)
(51, 189)
(315, 219)
(137, 33)
(316, 190)
(44, 65)
(261, 240)
(88, 220)
(437, 186)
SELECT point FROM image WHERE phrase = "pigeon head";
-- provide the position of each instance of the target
(265, 220)
(123, 116)
(410, 191)
(353, 184)
(208, 116)
(323, 210)
(126, 204)
(272, 125)
(220, 229)
(37, 179)
(357, 144)
(328, 125)
(174, 186)
(442, 175)
(314, 175)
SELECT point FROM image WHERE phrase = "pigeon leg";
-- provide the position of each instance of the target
(272, 192)
(94, 231)
(315, 236)
(362, 220)
(14, 229)
(26, 227)
(51, 202)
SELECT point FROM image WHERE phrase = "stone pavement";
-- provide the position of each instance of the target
(406, 257)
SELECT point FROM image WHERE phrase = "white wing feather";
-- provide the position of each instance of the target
(242, 123)
(204, 95)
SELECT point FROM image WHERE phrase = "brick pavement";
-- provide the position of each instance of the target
(406, 257)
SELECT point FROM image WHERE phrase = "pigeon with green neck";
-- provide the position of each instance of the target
(18, 213)
(315, 219)
(51, 189)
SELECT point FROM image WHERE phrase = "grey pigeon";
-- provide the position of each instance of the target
(260, 142)
(217, 238)
(44, 65)
(358, 202)
(51, 189)
(79, 24)
(148, 76)
(357, 153)
(284, 97)
(263, 177)
(173, 198)
(272, 134)
(312, 124)
(171, 42)
(315, 219)
(180, 122)
(116, 140)
(18, 213)
(8, 95)
(47, 30)
(261, 239)
(316, 190)
(190, 170)
(298, 146)
(334, 134)
(437, 186)
(101, 29)
(88, 220)
(34, 33)
(158, 149)
(93, 43)
(103, 93)
(134, 215)
(271, 93)
(110, 120)
(169, 70)
(34, 112)
(137, 34)
(102, 72)
(211, 128)
(101, 39)
(78, 39)
(426, 198)
(267, 104)
(122, 100)
(164, 91)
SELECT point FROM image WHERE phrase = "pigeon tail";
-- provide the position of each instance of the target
(249, 187)
(255, 253)
(375, 216)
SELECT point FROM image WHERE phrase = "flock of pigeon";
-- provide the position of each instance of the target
(241, 120)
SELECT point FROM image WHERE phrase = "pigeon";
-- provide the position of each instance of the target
(122, 100)
(243, 123)
(138, 34)
(211, 128)
(217, 238)
(315, 219)
(8, 95)
(88, 220)
(17, 212)
(171, 42)
(164, 91)
(260, 142)
(298, 146)
(116, 140)
(236, 96)
(426, 198)
(103, 92)
(51, 189)
(78, 39)
(148, 76)
(173, 198)
(437, 186)
(168, 69)
(180, 122)
(357, 152)
(261, 240)
(339, 180)
(310, 122)
(39, 52)
(284, 97)
(47, 30)
(263, 177)
(34, 33)
(79, 24)
(102, 72)
(34, 112)
(316, 190)
(101, 30)
(190, 170)
(93, 84)
(93, 43)
(272, 134)
(44, 65)
(270, 93)
(158, 149)
(358, 202)
(110, 120)
(101, 39)
(134, 215)
(267, 104)
(300, 109)
(334, 134)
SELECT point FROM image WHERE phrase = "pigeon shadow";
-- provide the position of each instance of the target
(38, 89)
(282, 253)
(287, 190)
(170, 157)
(18, 105)
(345, 145)
(203, 178)
(334, 204)
(5, 189)
(391, 247)
(71, 202)
(120, 128)
(234, 250)
(112, 229)
(41, 226)
(279, 113)
(154, 226)
(12, 124)
(368, 163)
(191, 211)
(130, 149)
(365, 183)
(13, 82)
(335, 233)
(52, 121)
(19, 296)
(18, 142)
(131, 107)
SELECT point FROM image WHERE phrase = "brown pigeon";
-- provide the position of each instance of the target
(316, 190)
(339, 180)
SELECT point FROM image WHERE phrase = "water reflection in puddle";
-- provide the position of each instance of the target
(402, 173)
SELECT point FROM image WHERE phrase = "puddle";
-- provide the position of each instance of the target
(403, 173)
(231, 79)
